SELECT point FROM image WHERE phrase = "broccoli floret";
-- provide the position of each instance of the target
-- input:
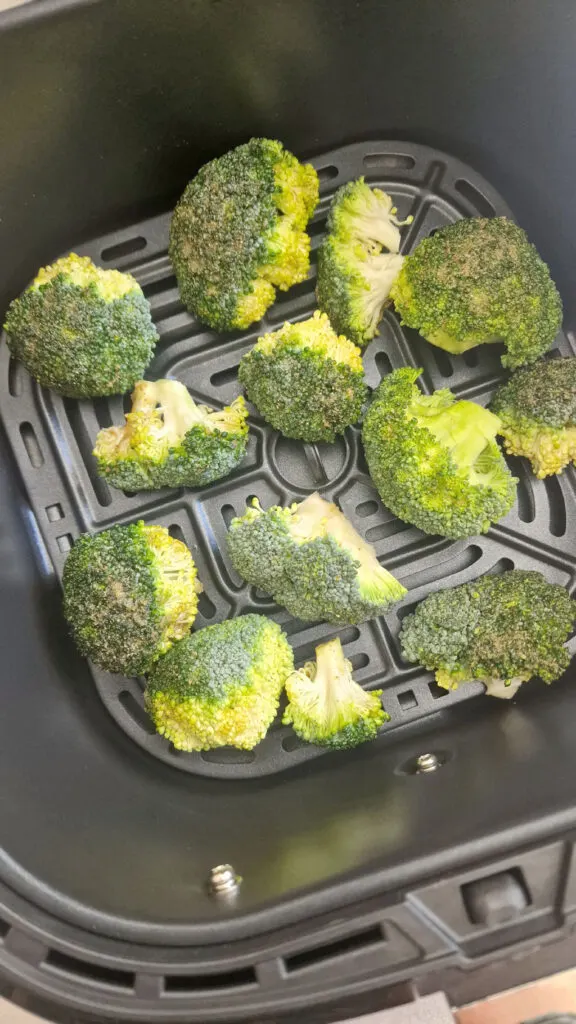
(354, 275)
(305, 380)
(169, 441)
(81, 330)
(327, 707)
(129, 593)
(310, 558)
(220, 686)
(435, 460)
(238, 233)
(537, 412)
(479, 281)
(499, 630)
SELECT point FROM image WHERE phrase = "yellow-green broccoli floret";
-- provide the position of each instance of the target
(221, 686)
(238, 233)
(81, 330)
(305, 380)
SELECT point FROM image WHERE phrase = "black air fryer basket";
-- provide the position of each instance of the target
(359, 872)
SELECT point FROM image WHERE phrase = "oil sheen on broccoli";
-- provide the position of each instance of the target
(354, 273)
(310, 558)
(238, 233)
(81, 330)
(305, 380)
(129, 593)
(220, 686)
(327, 707)
(479, 281)
(169, 441)
(537, 412)
(499, 630)
(434, 460)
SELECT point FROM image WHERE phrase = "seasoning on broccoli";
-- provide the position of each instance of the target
(81, 330)
(479, 281)
(238, 233)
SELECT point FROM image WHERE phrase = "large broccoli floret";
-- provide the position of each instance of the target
(221, 686)
(81, 330)
(499, 630)
(129, 593)
(310, 558)
(305, 380)
(537, 412)
(479, 281)
(354, 274)
(238, 233)
(327, 707)
(435, 460)
(169, 441)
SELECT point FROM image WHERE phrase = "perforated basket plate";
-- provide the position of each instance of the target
(52, 439)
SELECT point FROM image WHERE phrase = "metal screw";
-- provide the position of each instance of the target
(224, 881)
(427, 763)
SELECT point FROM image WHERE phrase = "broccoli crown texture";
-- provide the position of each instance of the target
(220, 686)
(238, 233)
(327, 707)
(305, 380)
(169, 441)
(310, 558)
(478, 281)
(537, 412)
(81, 330)
(500, 630)
(129, 593)
(354, 274)
(435, 460)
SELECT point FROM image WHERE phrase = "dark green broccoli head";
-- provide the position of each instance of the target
(479, 281)
(305, 380)
(435, 460)
(537, 411)
(238, 233)
(129, 593)
(220, 686)
(81, 330)
(169, 441)
(499, 630)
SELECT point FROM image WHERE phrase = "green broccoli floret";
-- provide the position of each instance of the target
(81, 330)
(221, 686)
(354, 275)
(238, 233)
(310, 558)
(305, 380)
(537, 412)
(435, 460)
(327, 707)
(499, 630)
(129, 593)
(480, 281)
(169, 441)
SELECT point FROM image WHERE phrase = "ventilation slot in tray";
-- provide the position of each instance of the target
(90, 972)
(332, 950)
(184, 983)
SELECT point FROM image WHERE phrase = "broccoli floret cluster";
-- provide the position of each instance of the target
(81, 330)
(305, 380)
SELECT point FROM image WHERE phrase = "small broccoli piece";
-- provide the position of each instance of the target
(129, 593)
(221, 686)
(435, 460)
(354, 275)
(169, 441)
(310, 558)
(499, 630)
(327, 707)
(537, 412)
(480, 281)
(81, 330)
(238, 233)
(305, 380)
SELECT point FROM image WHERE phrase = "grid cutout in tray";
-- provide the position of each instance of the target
(52, 439)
